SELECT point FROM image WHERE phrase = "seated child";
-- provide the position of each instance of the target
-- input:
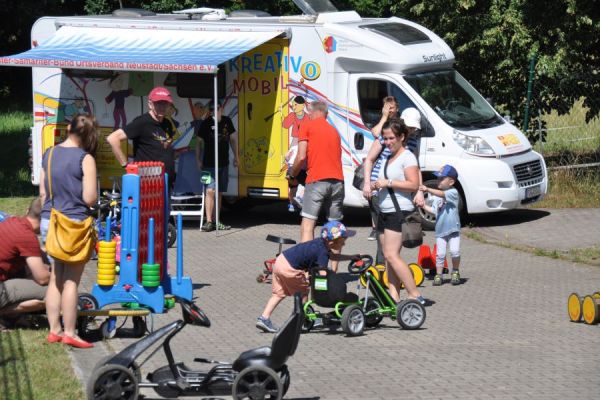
(447, 224)
(292, 265)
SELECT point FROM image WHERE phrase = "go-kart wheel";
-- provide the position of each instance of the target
(308, 323)
(134, 367)
(284, 375)
(385, 279)
(139, 326)
(85, 301)
(353, 320)
(591, 310)
(360, 265)
(107, 333)
(410, 314)
(112, 382)
(171, 235)
(373, 271)
(372, 315)
(257, 382)
(417, 273)
(574, 307)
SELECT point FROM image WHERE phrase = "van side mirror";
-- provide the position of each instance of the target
(359, 140)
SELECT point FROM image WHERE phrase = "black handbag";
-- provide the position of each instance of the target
(359, 176)
(412, 230)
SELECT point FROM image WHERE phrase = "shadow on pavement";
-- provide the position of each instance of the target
(511, 217)
(247, 213)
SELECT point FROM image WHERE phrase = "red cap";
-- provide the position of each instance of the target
(160, 93)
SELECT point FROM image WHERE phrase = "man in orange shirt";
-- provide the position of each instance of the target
(320, 146)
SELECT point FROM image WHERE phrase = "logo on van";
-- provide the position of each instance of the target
(329, 44)
(439, 57)
(310, 70)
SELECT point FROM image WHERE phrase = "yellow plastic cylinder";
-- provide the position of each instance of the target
(107, 255)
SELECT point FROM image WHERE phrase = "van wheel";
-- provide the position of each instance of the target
(428, 219)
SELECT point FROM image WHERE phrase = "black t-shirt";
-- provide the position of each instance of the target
(151, 141)
(206, 133)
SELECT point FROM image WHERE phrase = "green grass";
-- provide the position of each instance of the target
(572, 188)
(570, 133)
(32, 369)
(15, 175)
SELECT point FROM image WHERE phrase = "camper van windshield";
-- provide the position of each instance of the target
(454, 99)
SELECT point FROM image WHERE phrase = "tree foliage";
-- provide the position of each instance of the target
(493, 40)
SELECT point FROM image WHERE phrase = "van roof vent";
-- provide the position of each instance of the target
(132, 12)
(248, 14)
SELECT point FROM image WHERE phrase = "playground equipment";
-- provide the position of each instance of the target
(426, 260)
(380, 273)
(377, 303)
(329, 290)
(140, 285)
(586, 307)
(349, 310)
(259, 373)
(267, 273)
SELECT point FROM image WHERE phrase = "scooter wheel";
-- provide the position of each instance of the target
(112, 382)
(353, 320)
(410, 314)
(257, 382)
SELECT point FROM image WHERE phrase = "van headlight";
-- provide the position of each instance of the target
(473, 144)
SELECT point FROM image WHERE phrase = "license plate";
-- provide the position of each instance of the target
(533, 191)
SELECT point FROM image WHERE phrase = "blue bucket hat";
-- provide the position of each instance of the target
(334, 230)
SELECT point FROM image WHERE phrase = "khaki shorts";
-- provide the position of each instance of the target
(288, 280)
(14, 291)
(327, 194)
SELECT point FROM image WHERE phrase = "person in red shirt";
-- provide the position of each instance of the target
(319, 145)
(20, 258)
(295, 120)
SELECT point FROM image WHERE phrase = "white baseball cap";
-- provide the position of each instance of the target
(411, 117)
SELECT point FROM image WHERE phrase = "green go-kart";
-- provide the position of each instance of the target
(351, 311)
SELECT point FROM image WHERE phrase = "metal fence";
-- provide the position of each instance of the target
(566, 134)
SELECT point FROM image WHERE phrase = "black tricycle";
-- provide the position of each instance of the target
(259, 373)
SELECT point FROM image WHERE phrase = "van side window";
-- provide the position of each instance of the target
(370, 96)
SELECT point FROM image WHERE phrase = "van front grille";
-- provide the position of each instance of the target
(529, 173)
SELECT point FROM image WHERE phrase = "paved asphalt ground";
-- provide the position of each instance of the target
(503, 334)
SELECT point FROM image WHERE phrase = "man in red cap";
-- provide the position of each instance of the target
(149, 134)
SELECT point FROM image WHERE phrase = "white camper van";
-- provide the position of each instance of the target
(256, 63)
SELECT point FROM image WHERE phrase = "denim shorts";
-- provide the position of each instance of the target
(327, 194)
(223, 179)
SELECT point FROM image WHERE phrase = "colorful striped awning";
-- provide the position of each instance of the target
(139, 49)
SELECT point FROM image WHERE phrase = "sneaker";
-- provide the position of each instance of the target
(455, 280)
(373, 235)
(437, 280)
(223, 227)
(208, 227)
(291, 208)
(421, 300)
(265, 325)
